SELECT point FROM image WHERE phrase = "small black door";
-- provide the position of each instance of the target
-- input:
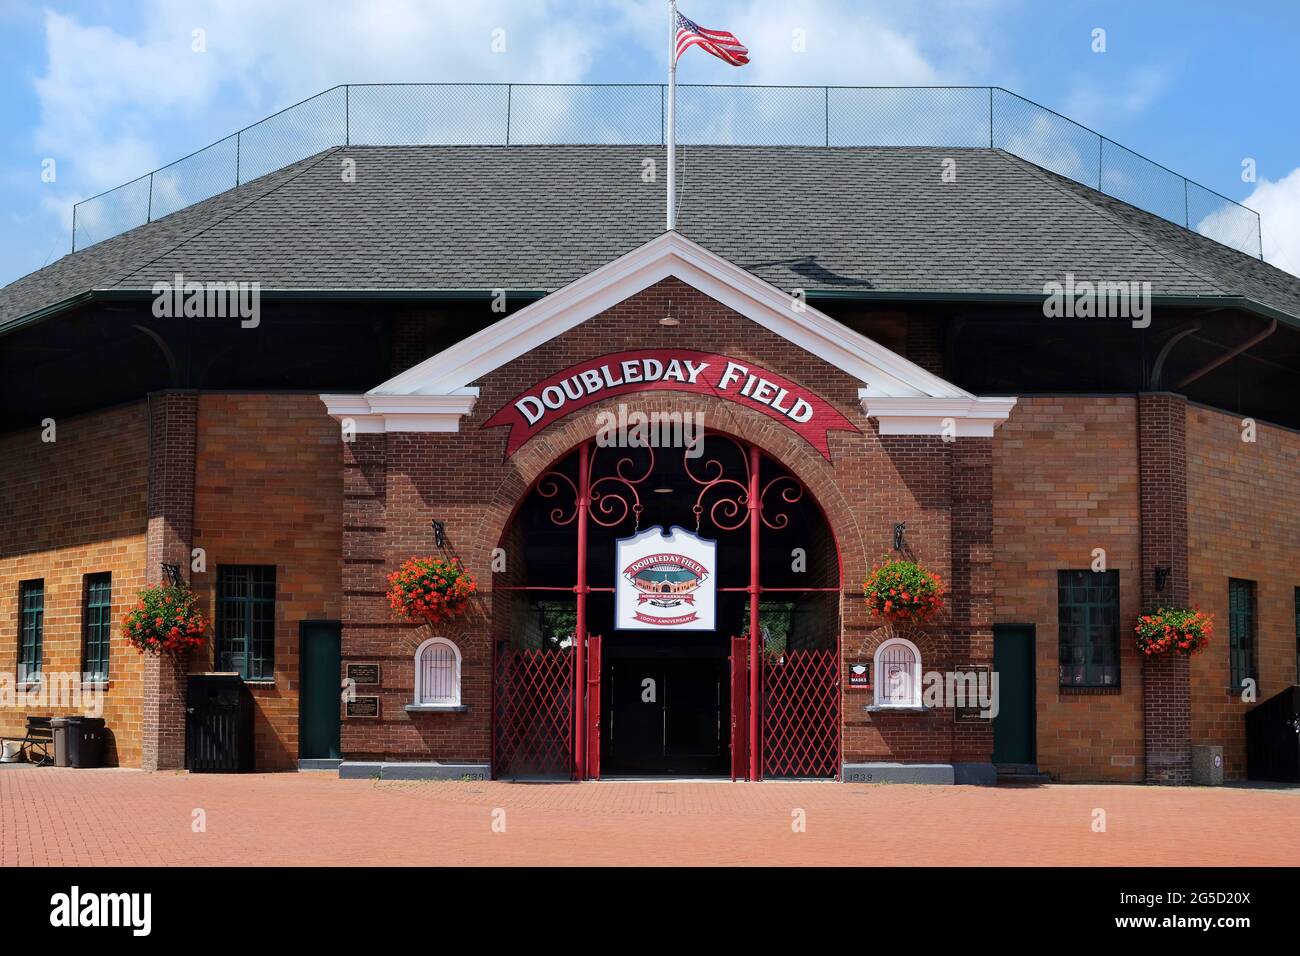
(665, 716)
(319, 704)
(1014, 727)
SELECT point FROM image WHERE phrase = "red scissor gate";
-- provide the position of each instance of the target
(533, 712)
(801, 714)
(593, 707)
(739, 708)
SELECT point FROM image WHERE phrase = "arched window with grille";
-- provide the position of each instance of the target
(437, 673)
(898, 674)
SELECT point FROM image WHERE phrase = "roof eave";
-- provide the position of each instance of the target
(1245, 304)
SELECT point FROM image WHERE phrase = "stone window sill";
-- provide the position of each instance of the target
(897, 709)
(437, 708)
(1089, 690)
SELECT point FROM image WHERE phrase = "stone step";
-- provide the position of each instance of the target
(1026, 774)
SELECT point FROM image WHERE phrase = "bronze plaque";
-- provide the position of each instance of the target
(971, 713)
(363, 707)
(363, 673)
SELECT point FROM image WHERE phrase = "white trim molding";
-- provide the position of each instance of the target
(436, 394)
(374, 413)
(422, 698)
(968, 417)
(913, 700)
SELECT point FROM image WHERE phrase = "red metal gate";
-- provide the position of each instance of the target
(801, 714)
(593, 707)
(533, 713)
(784, 713)
(739, 708)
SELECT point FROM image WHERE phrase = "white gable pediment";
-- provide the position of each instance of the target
(905, 398)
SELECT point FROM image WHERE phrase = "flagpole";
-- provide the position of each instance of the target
(672, 114)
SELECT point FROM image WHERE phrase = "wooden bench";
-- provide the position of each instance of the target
(38, 736)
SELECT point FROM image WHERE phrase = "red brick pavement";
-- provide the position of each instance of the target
(51, 816)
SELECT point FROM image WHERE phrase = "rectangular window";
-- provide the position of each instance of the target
(246, 620)
(96, 619)
(1297, 635)
(31, 629)
(1088, 617)
(1241, 631)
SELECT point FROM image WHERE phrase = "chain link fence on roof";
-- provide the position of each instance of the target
(505, 114)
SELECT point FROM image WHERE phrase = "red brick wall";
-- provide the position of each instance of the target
(68, 508)
(1162, 477)
(1243, 522)
(396, 484)
(173, 419)
(269, 490)
(1065, 481)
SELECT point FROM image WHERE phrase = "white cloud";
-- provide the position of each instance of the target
(1130, 96)
(1278, 205)
(115, 106)
(847, 42)
(105, 95)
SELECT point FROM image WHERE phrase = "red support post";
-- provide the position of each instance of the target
(593, 707)
(580, 635)
(755, 637)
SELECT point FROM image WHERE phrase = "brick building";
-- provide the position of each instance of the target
(439, 344)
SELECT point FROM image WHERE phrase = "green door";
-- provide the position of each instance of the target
(1014, 726)
(318, 706)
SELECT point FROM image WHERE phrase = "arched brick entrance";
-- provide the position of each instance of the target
(779, 597)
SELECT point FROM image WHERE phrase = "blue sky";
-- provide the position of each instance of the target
(110, 90)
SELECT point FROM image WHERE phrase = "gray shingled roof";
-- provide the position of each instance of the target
(858, 220)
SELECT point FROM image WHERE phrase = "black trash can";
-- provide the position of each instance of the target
(86, 741)
(218, 724)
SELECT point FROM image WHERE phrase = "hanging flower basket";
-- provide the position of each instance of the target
(430, 590)
(903, 592)
(165, 620)
(1173, 630)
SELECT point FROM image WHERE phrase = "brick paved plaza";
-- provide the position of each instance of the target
(51, 816)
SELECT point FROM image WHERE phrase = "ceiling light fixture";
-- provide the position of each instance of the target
(669, 321)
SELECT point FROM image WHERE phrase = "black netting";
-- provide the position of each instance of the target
(515, 115)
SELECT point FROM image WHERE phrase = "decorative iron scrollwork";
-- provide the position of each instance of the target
(612, 498)
(615, 505)
(729, 510)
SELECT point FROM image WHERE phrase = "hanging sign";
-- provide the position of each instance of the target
(665, 581)
(705, 373)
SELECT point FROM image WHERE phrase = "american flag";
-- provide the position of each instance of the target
(721, 44)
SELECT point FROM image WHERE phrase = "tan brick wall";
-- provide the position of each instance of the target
(1244, 522)
(269, 490)
(68, 508)
(1065, 481)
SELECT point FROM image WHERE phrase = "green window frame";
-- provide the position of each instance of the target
(246, 620)
(31, 630)
(1242, 645)
(96, 622)
(1088, 621)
